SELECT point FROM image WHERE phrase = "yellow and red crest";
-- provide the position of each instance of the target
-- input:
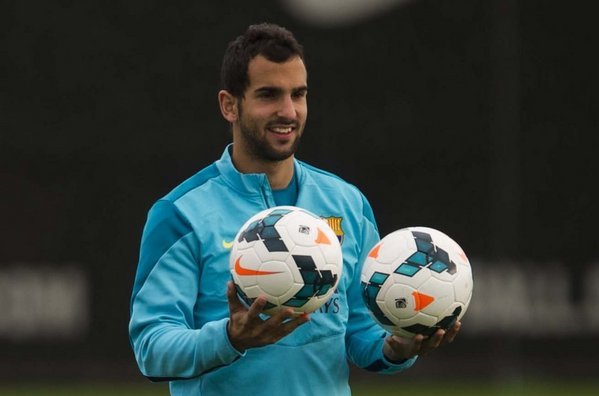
(335, 224)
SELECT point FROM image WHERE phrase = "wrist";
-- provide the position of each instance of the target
(393, 358)
(237, 346)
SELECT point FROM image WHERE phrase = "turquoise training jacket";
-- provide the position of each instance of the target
(179, 310)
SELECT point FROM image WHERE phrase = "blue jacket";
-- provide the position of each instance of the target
(179, 309)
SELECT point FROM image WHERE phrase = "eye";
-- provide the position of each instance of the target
(300, 94)
(266, 94)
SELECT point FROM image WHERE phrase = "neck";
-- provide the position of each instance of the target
(278, 173)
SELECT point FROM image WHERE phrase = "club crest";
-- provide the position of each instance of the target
(335, 224)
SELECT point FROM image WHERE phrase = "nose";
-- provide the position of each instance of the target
(287, 108)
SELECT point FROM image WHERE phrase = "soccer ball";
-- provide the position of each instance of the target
(416, 280)
(290, 256)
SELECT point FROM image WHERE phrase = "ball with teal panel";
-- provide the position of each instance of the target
(290, 256)
(426, 255)
(415, 281)
(264, 229)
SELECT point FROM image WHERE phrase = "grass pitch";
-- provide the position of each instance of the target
(477, 388)
(393, 388)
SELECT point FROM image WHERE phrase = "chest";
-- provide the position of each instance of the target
(216, 232)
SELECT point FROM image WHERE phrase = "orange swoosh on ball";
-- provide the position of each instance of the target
(374, 253)
(421, 300)
(322, 239)
(247, 271)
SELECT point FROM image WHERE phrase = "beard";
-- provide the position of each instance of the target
(261, 148)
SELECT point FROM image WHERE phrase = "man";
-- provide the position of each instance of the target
(187, 324)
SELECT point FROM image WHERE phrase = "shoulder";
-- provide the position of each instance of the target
(196, 181)
(342, 190)
(325, 179)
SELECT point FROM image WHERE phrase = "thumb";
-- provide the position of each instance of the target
(234, 304)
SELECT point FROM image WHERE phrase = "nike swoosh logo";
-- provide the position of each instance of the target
(242, 271)
(227, 245)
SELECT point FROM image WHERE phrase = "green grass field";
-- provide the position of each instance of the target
(532, 388)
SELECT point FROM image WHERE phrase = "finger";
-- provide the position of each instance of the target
(234, 303)
(290, 325)
(398, 347)
(404, 348)
(286, 319)
(436, 339)
(417, 342)
(281, 316)
(294, 323)
(433, 342)
(452, 332)
(257, 307)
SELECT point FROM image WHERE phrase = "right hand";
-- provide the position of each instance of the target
(246, 329)
(400, 348)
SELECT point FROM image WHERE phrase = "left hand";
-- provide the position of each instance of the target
(399, 348)
(246, 329)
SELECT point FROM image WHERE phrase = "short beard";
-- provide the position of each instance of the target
(260, 148)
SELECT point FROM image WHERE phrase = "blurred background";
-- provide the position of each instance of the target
(478, 118)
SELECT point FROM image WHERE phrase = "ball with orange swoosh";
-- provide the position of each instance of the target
(417, 280)
(288, 255)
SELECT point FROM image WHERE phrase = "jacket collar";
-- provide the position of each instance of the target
(248, 183)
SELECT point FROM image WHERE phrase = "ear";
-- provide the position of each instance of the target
(228, 106)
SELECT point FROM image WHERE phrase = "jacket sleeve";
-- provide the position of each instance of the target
(364, 337)
(165, 341)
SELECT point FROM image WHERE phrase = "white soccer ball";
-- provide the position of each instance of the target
(416, 280)
(290, 256)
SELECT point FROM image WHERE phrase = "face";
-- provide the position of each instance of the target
(273, 110)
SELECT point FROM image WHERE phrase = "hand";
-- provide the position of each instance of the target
(247, 330)
(399, 348)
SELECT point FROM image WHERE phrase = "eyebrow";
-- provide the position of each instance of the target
(303, 88)
(276, 90)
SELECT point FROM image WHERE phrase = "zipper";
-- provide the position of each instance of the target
(267, 194)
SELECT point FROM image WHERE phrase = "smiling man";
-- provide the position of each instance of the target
(268, 119)
(187, 324)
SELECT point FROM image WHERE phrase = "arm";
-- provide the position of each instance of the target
(165, 340)
(163, 333)
(365, 339)
(389, 353)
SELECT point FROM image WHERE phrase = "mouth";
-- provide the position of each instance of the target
(281, 130)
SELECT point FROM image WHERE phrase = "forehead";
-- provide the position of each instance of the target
(264, 73)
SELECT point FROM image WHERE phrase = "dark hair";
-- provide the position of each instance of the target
(274, 42)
